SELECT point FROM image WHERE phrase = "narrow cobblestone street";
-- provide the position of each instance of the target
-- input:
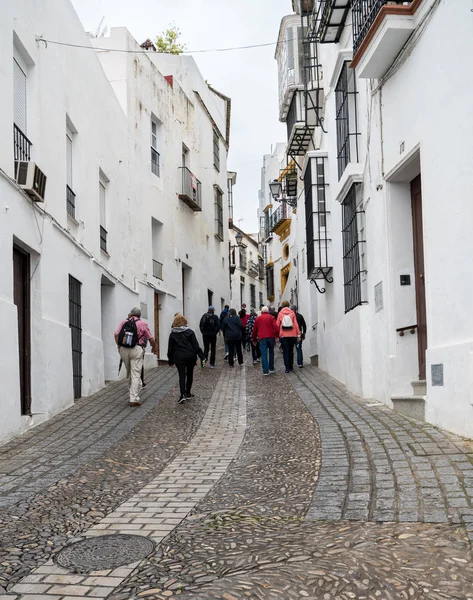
(259, 487)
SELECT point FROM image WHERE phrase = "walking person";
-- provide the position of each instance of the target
(223, 316)
(131, 337)
(272, 311)
(303, 329)
(209, 327)
(265, 332)
(233, 332)
(183, 350)
(244, 320)
(255, 351)
(289, 334)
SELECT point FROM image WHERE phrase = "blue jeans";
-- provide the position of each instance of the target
(300, 359)
(267, 345)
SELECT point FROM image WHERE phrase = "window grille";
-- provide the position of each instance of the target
(270, 283)
(216, 147)
(261, 299)
(252, 295)
(219, 213)
(346, 119)
(243, 259)
(210, 297)
(353, 248)
(317, 234)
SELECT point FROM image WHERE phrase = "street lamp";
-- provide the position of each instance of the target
(238, 239)
(239, 243)
(275, 188)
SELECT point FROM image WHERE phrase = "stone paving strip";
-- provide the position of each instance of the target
(380, 466)
(33, 529)
(162, 503)
(249, 537)
(47, 453)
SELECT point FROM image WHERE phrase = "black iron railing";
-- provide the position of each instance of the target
(21, 145)
(103, 238)
(155, 161)
(352, 270)
(157, 269)
(364, 13)
(71, 202)
(346, 119)
(279, 215)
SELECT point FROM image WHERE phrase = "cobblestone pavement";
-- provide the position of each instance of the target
(261, 487)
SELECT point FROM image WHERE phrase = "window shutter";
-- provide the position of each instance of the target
(19, 97)
(69, 159)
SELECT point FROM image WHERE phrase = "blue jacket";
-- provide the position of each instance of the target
(232, 329)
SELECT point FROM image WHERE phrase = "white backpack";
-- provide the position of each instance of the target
(286, 322)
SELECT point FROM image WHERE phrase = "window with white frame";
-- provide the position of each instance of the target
(103, 181)
(21, 144)
(216, 150)
(218, 194)
(155, 156)
(70, 195)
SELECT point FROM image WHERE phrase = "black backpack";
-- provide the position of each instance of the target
(209, 324)
(128, 336)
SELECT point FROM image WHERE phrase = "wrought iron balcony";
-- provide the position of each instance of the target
(191, 190)
(302, 120)
(253, 270)
(103, 238)
(71, 202)
(364, 15)
(279, 217)
(157, 269)
(330, 19)
(21, 145)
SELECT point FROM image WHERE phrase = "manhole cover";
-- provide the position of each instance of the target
(104, 552)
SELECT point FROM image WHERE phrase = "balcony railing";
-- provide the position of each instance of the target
(364, 15)
(71, 202)
(155, 161)
(103, 239)
(253, 270)
(21, 145)
(330, 19)
(191, 190)
(157, 269)
(279, 216)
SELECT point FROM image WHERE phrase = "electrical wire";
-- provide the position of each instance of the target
(57, 43)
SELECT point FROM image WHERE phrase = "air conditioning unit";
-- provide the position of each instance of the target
(31, 179)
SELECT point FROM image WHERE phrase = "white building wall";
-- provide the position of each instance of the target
(414, 122)
(111, 137)
(241, 271)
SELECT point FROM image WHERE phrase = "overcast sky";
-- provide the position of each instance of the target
(249, 77)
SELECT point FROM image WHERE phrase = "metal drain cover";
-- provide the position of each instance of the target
(104, 552)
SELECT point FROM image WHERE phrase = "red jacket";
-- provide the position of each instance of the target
(264, 327)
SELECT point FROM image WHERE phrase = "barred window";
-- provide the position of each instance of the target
(346, 119)
(261, 299)
(354, 274)
(216, 146)
(155, 157)
(270, 283)
(218, 213)
(252, 295)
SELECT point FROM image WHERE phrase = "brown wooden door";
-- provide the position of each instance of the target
(416, 201)
(21, 298)
(156, 323)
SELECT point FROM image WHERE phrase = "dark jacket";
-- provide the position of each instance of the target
(183, 347)
(209, 324)
(302, 324)
(232, 329)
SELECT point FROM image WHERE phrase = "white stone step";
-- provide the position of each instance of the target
(411, 406)
(420, 387)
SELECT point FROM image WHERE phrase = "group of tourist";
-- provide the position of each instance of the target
(258, 332)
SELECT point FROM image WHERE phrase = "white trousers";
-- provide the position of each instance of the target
(133, 361)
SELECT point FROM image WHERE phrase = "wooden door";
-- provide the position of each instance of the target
(416, 201)
(21, 298)
(156, 323)
(75, 324)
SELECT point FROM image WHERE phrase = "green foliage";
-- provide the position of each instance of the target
(168, 41)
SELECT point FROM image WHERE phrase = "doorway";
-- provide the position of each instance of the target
(21, 298)
(416, 203)
(75, 324)
(156, 323)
